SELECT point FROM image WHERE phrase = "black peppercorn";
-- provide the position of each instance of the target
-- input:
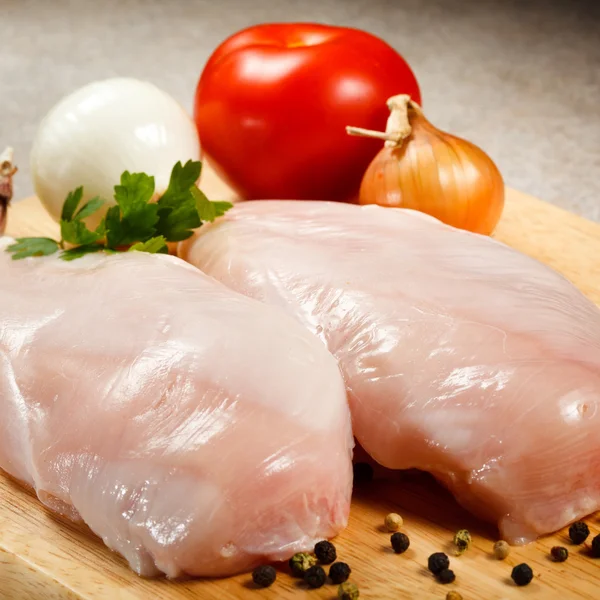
(595, 549)
(264, 576)
(446, 576)
(339, 572)
(437, 562)
(325, 552)
(578, 532)
(400, 542)
(363, 472)
(522, 574)
(315, 576)
(559, 554)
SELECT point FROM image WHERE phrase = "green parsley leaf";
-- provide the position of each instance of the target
(182, 179)
(72, 228)
(89, 208)
(134, 218)
(177, 224)
(135, 221)
(153, 246)
(76, 232)
(101, 229)
(33, 246)
(177, 215)
(221, 207)
(80, 251)
(135, 192)
(71, 204)
(207, 210)
(112, 226)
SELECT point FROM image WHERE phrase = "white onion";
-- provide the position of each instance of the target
(94, 134)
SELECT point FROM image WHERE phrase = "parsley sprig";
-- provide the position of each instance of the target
(134, 224)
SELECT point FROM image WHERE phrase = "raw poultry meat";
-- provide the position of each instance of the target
(462, 357)
(195, 430)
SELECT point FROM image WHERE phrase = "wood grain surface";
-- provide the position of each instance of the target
(44, 557)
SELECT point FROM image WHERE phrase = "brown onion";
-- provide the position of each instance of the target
(425, 169)
(7, 170)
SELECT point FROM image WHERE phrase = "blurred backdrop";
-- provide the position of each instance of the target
(519, 78)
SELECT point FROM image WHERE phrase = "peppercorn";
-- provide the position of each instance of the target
(437, 562)
(400, 542)
(522, 574)
(363, 472)
(595, 549)
(453, 595)
(559, 553)
(446, 576)
(348, 591)
(339, 572)
(501, 550)
(315, 576)
(462, 540)
(301, 562)
(325, 552)
(264, 576)
(393, 522)
(578, 532)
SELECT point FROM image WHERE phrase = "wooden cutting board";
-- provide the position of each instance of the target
(45, 558)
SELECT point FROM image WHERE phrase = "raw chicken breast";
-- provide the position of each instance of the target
(461, 356)
(195, 430)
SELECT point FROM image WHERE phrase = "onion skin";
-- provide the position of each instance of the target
(7, 170)
(3, 207)
(439, 174)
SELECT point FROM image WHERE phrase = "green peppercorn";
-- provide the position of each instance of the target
(400, 542)
(595, 548)
(315, 576)
(339, 572)
(325, 552)
(522, 574)
(559, 554)
(462, 541)
(363, 472)
(579, 532)
(453, 595)
(348, 591)
(446, 576)
(264, 576)
(301, 562)
(437, 562)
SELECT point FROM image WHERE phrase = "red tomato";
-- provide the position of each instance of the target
(273, 102)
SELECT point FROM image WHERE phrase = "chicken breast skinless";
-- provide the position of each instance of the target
(195, 430)
(461, 356)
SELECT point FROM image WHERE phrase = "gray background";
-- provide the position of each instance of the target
(519, 78)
